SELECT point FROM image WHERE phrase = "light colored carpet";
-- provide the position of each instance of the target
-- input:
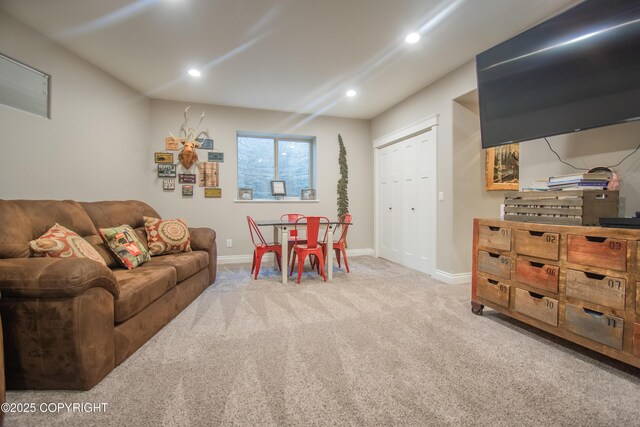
(384, 345)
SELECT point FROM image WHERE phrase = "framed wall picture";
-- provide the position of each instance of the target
(164, 157)
(245, 193)
(187, 190)
(166, 170)
(169, 184)
(208, 174)
(278, 188)
(212, 193)
(502, 168)
(187, 178)
(308, 194)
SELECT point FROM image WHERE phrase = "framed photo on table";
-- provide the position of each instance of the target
(308, 194)
(278, 188)
(245, 193)
(502, 168)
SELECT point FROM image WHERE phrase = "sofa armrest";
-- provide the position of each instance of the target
(204, 239)
(53, 277)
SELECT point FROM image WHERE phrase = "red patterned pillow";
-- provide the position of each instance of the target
(60, 242)
(167, 236)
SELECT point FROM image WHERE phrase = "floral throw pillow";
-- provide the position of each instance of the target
(60, 242)
(167, 236)
(124, 244)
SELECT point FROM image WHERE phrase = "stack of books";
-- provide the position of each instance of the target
(579, 181)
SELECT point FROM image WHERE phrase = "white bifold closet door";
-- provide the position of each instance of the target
(406, 185)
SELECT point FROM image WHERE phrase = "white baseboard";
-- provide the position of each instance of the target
(241, 259)
(452, 278)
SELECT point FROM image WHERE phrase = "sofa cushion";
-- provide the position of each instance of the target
(186, 264)
(60, 242)
(166, 236)
(140, 287)
(124, 244)
(25, 220)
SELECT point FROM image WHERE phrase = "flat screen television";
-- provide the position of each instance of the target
(578, 70)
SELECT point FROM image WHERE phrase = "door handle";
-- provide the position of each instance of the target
(390, 208)
(413, 209)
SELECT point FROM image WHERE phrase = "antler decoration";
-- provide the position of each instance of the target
(188, 156)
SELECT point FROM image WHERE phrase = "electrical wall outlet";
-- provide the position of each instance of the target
(229, 243)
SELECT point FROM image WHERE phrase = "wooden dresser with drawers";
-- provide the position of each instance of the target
(578, 283)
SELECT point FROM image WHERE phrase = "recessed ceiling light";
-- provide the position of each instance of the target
(412, 38)
(194, 73)
(351, 93)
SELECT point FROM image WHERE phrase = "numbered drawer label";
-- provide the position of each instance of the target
(600, 327)
(494, 237)
(596, 288)
(538, 244)
(538, 275)
(597, 252)
(494, 264)
(636, 339)
(537, 306)
(494, 291)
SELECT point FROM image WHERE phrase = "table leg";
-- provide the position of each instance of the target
(284, 242)
(330, 253)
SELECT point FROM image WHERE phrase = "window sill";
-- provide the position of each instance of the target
(276, 201)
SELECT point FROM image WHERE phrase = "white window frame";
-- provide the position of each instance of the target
(27, 99)
(311, 140)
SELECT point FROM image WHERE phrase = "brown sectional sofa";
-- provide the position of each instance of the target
(68, 322)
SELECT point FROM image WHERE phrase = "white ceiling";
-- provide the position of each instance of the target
(290, 55)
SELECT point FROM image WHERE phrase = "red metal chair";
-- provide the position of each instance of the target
(262, 247)
(340, 245)
(291, 217)
(312, 247)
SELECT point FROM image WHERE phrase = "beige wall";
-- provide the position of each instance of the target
(95, 144)
(604, 146)
(227, 217)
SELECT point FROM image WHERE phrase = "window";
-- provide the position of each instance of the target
(23, 88)
(263, 158)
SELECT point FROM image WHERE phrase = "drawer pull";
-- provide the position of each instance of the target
(492, 228)
(602, 196)
(595, 239)
(493, 282)
(536, 264)
(493, 255)
(536, 233)
(594, 276)
(592, 312)
(535, 295)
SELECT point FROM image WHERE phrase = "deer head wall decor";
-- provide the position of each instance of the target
(188, 156)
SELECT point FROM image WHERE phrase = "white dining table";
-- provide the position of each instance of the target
(281, 229)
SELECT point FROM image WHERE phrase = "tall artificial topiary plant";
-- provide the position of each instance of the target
(343, 196)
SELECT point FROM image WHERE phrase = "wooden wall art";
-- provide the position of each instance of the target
(213, 193)
(187, 190)
(166, 170)
(169, 184)
(208, 174)
(187, 178)
(215, 156)
(164, 157)
(502, 168)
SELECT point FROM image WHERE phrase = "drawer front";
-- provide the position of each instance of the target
(538, 275)
(603, 328)
(597, 252)
(494, 264)
(494, 291)
(539, 307)
(596, 288)
(636, 339)
(538, 244)
(637, 297)
(494, 237)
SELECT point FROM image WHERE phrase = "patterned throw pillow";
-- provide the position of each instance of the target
(60, 242)
(167, 236)
(125, 245)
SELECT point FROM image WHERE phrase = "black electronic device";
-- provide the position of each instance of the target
(577, 70)
(620, 222)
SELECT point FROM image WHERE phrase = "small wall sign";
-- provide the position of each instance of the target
(166, 170)
(169, 184)
(187, 190)
(187, 178)
(171, 143)
(205, 143)
(215, 156)
(164, 157)
(213, 193)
